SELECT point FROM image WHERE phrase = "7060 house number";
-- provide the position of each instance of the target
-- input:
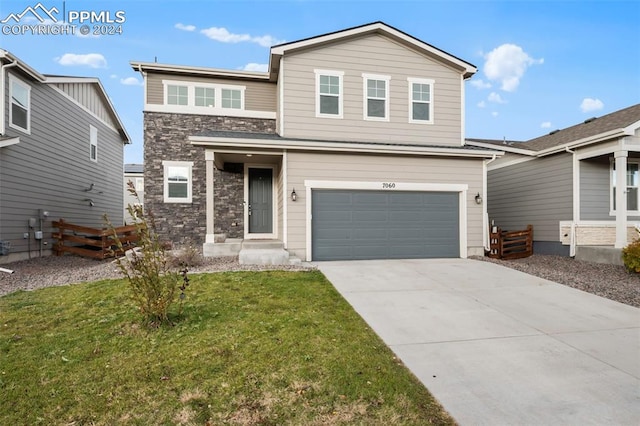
(388, 185)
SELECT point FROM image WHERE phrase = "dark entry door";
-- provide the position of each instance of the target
(260, 201)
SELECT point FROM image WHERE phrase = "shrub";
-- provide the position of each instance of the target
(187, 256)
(153, 280)
(631, 256)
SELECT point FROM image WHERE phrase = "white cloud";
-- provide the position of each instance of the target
(495, 97)
(479, 84)
(113, 76)
(130, 81)
(184, 27)
(482, 104)
(589, 105)
(252, 66)
(93, 60)
(546, 125)
(224, 36)
(494, 113)
(507, 64)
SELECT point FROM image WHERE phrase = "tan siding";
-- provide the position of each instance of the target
(373, 54)
(88, 96)
(259, 96)
(538, 192)
(378, 168)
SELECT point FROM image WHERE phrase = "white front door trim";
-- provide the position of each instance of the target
(274, 189)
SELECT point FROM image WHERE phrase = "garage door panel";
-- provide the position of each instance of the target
(352, 224)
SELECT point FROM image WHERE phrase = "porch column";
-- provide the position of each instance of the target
(209, 158)
(621, 198)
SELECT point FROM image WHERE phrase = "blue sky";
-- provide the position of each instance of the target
(542, 65)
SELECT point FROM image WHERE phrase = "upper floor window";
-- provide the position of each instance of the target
(196, 96)
(630, 187)
(420, 100)
(376, 97)
(93, 143)
(329, 93)
(177, 95)
(177, 181)
(205, 96)
(231, 98)
(20, 110)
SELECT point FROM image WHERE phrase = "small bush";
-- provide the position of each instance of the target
(187, 256)
(152, 278)
(631, 256)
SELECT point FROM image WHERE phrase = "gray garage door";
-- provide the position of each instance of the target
(349, 225)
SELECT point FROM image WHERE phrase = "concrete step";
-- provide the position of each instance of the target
(293, 260)
(231, 247)
(262, 244)
(263, 256)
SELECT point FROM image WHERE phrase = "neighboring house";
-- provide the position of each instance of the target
(351, 146)
(564, 184)
(133, 173)
(61, 155)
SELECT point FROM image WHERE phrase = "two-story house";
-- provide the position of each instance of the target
(61, 156)
(351, 146)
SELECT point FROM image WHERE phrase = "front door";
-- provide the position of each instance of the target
(260, 201)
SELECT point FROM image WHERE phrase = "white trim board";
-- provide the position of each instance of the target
(178, 109)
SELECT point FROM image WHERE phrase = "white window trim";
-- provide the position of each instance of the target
(432, 83)
(191, 97)
(93, 141)
(340, 75)
(365, 78)
(612, 211)
(14, 79)
(166, 164)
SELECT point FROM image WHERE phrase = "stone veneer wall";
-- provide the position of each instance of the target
(166, 138)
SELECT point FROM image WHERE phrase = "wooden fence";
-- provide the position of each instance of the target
(91, 242)
(511, 245)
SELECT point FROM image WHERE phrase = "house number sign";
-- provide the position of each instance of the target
(388, 185)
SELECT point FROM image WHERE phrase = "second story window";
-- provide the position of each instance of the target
(420, 100)
(376, 97)
(177, 95)
(231, 98)
(329, 93)
(20, 109)
(201, 97)
(205, 97)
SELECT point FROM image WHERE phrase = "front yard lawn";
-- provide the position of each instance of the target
(249, 348)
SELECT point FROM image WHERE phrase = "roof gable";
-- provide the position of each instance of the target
(465, 68)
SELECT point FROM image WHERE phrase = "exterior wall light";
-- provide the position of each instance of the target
(478, 198)
(294, 196)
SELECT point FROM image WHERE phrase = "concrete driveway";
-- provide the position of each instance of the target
(499, 347)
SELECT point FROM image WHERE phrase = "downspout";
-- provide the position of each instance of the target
(485, 213)
(575, 207)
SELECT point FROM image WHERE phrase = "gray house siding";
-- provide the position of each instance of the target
(50, 169)
(538, 192)
(594, 189)
(87, 95)
(166, 139)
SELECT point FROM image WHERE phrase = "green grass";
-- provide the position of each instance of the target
(249, 348)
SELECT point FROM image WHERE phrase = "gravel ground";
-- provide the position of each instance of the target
(608, 281)
(60, 270)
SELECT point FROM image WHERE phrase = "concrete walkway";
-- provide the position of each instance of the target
(499, 347)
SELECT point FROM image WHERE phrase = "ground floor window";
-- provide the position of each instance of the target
(177, 181)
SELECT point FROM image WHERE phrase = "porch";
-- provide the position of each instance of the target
(595, 241)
